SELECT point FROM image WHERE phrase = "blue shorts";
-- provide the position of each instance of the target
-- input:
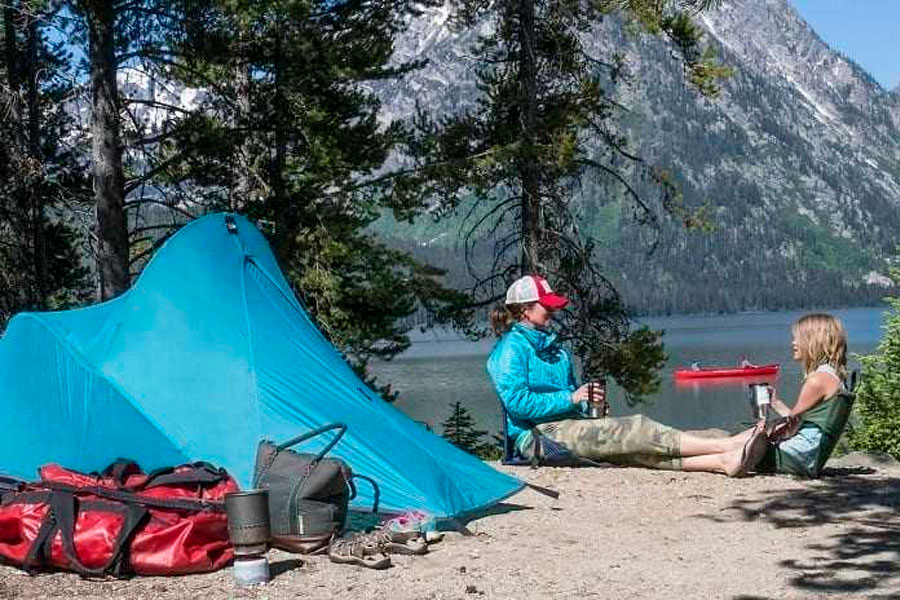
(796, 455)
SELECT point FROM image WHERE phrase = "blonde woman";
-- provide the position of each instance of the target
(807, 433)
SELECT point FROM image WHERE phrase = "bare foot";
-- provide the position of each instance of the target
(731, 462)
(739, 439)
(741, 461)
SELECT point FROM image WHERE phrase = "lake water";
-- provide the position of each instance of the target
(440, 369)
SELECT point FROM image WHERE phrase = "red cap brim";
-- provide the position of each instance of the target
(554, 301)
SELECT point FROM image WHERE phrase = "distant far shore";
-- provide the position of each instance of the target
(869, 318)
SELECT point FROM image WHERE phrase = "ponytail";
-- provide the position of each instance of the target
(504, 316)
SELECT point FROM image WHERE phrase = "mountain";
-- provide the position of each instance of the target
(797, 162)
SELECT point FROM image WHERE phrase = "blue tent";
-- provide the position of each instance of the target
(206, 355)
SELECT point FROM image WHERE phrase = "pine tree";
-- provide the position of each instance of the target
(289, 136)
(283, 131)
(459, 429)
(40, 266)
(522, 153)
(877, 403)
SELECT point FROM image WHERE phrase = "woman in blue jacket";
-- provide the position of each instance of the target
(534, 378)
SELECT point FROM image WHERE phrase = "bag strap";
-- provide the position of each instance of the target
(65, 513)
(39, 552)
(120, 470)
(198, 472)
(376, 491)
(136, 499)
(342, 429)
(61, 517)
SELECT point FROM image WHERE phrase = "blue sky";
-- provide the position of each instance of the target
(868, 31)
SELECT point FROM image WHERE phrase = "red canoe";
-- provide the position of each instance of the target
(709, 372)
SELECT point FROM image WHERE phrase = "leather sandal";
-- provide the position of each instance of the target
(358, 551)
(399, 542)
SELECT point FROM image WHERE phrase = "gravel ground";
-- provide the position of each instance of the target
(613, 533)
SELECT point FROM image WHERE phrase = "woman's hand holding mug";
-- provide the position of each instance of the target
(777, 404)
(594, 393)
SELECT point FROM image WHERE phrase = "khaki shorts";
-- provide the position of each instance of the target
(635, 440)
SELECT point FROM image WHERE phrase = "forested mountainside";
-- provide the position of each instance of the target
(797, 165)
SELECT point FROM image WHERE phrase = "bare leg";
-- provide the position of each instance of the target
(734, 462)
(723, 462)
(692, 445)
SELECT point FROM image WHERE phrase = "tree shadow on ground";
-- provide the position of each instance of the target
(862, 554)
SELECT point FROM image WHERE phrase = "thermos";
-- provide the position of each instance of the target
(758, 394)
(597, 409)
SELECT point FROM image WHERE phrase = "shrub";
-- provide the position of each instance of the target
(878, 395)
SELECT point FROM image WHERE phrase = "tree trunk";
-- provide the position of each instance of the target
(529, 175)
(243, 186)
(36, 193)
(284, 219)
(109, 179)
(21, 167)
(9, 46)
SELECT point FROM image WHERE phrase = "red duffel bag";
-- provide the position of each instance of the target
(121, 522)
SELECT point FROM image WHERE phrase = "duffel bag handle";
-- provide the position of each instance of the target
(65, 512)
(263, 469)
(342, 429)
(62, 517)
(120, 470)
(197, 472)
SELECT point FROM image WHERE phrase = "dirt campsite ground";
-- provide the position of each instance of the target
(613, 533)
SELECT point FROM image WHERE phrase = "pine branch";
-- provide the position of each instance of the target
(136, 204)
(157, 104)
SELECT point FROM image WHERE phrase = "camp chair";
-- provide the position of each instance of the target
(835, 415)
(547, 452)
(509, 446)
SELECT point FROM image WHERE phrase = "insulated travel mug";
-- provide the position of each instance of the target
(598, 408)
(759, 393)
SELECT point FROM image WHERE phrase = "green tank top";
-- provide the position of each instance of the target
(830, 416)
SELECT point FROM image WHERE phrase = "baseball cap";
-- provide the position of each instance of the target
(534, 288)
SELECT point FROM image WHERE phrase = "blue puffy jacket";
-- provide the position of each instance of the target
(533, 376)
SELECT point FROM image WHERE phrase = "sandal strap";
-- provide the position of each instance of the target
(356, 546)
(359, 552)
